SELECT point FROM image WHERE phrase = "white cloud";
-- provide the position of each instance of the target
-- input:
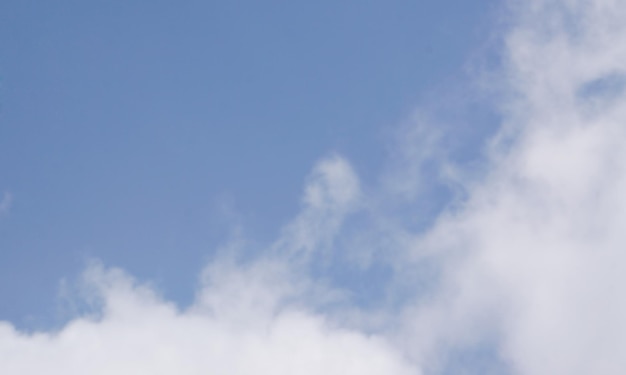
(332, 192)
(229, 331)
(534, 259)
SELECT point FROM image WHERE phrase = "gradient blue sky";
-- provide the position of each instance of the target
(142, 132)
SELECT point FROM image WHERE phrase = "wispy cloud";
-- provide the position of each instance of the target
(5, 203)
(522, 276)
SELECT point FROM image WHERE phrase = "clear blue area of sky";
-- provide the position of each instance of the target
(130, 129)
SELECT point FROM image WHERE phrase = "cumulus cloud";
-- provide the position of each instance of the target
(136, 332)
(523, 276)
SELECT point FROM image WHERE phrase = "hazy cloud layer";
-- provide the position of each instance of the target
(523, 276)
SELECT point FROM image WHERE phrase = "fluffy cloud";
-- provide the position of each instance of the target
(232, 329)
(523, 276)
(533, 261)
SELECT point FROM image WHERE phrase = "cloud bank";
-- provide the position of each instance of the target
(521, 275)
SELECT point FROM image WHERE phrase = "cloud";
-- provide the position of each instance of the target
(521, 275)
(332, 193)
(238, 325)
(137, 332)
(531, 263)
(5, 203)
(257, 316)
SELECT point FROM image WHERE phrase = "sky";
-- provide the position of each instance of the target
(428, 187)
(142, 133)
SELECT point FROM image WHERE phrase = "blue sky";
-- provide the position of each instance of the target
(364, 188)
(140, 133)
